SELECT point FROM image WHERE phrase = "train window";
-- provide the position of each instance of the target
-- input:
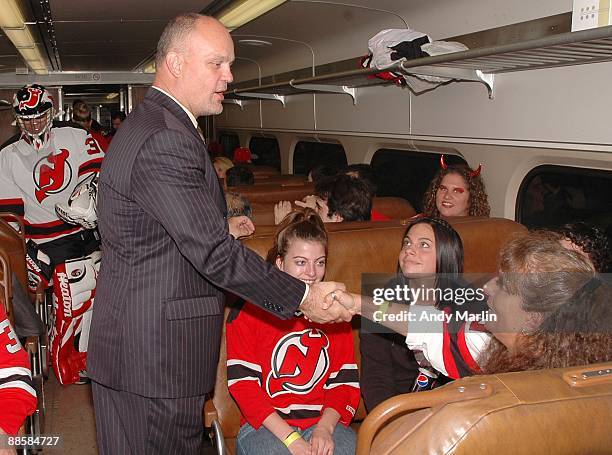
(229, 142)
(407, 174)
(265, 151)
(310, 154)
(551, 196)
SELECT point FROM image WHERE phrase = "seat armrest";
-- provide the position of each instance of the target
(407, 402)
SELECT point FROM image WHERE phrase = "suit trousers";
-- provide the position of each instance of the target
(130, 424)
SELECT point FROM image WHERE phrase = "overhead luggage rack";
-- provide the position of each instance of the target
(480, 64)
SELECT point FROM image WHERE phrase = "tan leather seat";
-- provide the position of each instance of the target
(12, 244)
(273, 193)
(395, 208)
(354, 249)
(263, 171)
(282, 180)
(562, 411)
(12, 261)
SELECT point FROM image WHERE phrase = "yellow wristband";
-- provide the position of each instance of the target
(294, 436)
(384, 307)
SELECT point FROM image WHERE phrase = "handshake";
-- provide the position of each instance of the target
(328, 301)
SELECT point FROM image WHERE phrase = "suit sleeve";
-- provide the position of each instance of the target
(342, 386)
(17, 394)
(244, 370)
(172, 181)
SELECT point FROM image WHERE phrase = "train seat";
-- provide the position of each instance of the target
(283, 180)
(562, 411)
(395, 208)
(273, 193)
(12, 261)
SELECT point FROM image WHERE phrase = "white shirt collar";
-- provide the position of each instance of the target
(187, 111)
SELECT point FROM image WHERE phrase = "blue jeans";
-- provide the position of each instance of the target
(263, 442)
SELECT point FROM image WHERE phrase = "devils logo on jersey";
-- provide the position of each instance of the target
(299, 361)
(52, 174)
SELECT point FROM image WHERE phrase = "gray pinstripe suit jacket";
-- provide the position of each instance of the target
(167, 254)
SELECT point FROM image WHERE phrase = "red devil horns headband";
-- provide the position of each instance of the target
(473, 173)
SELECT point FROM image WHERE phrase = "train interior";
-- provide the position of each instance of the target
(527, 99)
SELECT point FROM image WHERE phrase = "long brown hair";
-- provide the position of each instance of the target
(303, 224)
(478, 202)
(562, 287)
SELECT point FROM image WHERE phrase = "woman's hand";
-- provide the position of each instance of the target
(300, 447)
(308, 201)
(322, 441)
(352, 302)
(240, 226)
(281, 210)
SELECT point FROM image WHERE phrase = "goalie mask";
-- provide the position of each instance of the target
(34, 113)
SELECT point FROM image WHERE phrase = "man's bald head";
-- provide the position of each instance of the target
(175, 36)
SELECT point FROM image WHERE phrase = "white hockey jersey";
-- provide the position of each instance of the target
(32, 182)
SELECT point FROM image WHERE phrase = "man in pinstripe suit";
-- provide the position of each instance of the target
(167, 254)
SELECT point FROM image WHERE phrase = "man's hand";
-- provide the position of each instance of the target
(240, 226)
(316, 309)
(281, 210)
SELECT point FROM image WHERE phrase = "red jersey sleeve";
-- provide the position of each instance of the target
(244, 370)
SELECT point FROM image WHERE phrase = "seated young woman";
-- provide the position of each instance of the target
(431, 248)
(295, 382)
(553, 308)
(456, 190)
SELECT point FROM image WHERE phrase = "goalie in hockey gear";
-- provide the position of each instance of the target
(81, 205)
(34, 112)
(73, 296)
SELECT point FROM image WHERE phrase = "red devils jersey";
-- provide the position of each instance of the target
(292, 367)
(32, 182)
(17, 394)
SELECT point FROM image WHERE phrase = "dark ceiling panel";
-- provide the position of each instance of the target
(70, 10)
(112, 35)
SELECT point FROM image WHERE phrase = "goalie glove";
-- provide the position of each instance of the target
(81, 206)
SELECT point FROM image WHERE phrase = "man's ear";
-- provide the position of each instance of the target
(279, 263)
(174, 62)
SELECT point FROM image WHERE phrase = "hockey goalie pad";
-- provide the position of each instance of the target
(73, 295)
(81, 205)
(39, 266)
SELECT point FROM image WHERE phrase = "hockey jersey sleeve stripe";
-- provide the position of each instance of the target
(465, 351)
(12, 205)
(12, 371)
(45, 230)
(449, 361)
(90, 166)
(18, 383)
(297, 411)
(349, 377)
(240, 372)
